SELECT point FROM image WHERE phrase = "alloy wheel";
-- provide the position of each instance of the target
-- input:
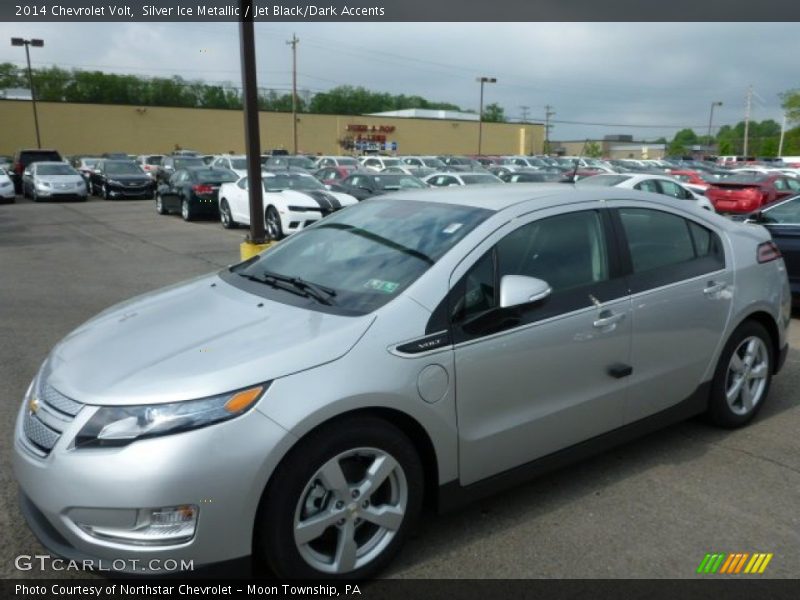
(350, 510)
(746, 379)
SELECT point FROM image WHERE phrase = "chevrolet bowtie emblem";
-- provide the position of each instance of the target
(33, 405)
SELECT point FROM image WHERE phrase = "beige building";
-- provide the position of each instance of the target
(611, 149)
(96, 128)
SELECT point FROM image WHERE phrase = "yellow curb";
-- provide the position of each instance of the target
(248, 249)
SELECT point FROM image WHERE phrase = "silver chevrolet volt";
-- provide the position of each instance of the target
(426, 347)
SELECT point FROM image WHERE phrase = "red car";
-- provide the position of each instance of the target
(748, 192)
(331, 175)
(687, 176)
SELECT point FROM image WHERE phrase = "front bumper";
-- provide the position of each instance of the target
(222, 469)
(139, 191)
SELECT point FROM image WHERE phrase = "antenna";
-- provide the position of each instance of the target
(578, 160)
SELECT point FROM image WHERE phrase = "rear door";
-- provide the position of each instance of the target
(681, 294)
(538, 378)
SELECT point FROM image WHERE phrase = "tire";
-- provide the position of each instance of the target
(160, 205)
(225, 216)
(272, 221)
(742, 379)
(187, 211)
(104, 191)
(297, 493)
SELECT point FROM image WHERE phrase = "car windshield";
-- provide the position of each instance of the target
(479, 178)
(239, 163)
(397, 182)
(90, 163)
(58, 169)
(604, 180)
(182, 163)
(391, 162)
(278, 183)
(153, 160)
(220, 175)
(123, 168)
(347, 162)
(366, 254)
(301, 161)
(433, 162)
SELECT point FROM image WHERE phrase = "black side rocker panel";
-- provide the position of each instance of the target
(452, 495)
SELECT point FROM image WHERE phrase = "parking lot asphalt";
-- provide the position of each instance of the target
(649, 509)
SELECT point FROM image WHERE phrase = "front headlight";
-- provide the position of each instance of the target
(121, 425)
(44, 184)
(114, 182)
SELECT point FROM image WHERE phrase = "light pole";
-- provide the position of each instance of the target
(36, 44)
(710, 120)
(482, 80)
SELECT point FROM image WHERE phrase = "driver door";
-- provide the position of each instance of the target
(538, 378)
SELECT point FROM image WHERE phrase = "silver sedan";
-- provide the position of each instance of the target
(53, 181)
(435, 344)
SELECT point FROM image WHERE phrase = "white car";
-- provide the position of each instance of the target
(233, 162)
(292, 201)
(646, 182)
(460, 178)
(379, 163)
(6, 187)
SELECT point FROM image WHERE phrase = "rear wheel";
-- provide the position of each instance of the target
(104, 190)
(342, 502)
(187, 211)
(743, 376)
(273, 223)
(225, 215)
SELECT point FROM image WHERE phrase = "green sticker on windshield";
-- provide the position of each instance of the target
(379, 285)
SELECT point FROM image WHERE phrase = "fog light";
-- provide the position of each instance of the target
(154, 527)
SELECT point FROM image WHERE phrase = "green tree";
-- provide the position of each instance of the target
(592, 150)
(790, 101)
(682, 142)
(494, 113)
(11, 76)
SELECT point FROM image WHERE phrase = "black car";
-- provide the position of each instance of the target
(23, 158)
(365, 185)
(114, 179)
(529, 176)
(193, 192)
(173, 163)
(783, 221)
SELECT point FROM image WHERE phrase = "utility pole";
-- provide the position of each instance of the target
(748, 106)
(548, 113)
(36, 44)
(783, 131)
(293, 43)
(710, 121)
(524, 110)
(482, 81)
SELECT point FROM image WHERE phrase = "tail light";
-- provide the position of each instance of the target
(764, 196)
(767, 252)
(203, 188)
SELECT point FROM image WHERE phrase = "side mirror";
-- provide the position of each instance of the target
(26, 173)
(516, 290)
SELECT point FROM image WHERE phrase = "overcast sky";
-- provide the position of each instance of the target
(660, 74)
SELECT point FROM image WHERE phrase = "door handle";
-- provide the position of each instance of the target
(606, 318)
(713, 287)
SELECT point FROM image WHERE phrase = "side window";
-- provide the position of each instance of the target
(242, 183)
(780, 184)
(665, 248)
(793, 184)
(567, 251)
(670, 188)
(648, 185)
(788, 213)
(656, 239)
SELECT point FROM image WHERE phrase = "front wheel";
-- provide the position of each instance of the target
(106, 195)
(160, 209)
(225, 215)
(741, 381)
(342, 502)
(273, 223)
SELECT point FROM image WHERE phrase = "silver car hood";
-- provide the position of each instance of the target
(192, 340)
(60, 178)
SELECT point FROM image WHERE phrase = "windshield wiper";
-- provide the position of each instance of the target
(380, 240)
(295, 285)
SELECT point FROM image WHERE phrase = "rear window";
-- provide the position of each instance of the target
(214, 175)
(153, 160)
(744, 178)
(604, 180)
(27, 157)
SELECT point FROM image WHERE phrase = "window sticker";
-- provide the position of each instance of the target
(379, 285)
(452, 228)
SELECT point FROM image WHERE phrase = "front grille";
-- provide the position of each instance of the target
(54, 412)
